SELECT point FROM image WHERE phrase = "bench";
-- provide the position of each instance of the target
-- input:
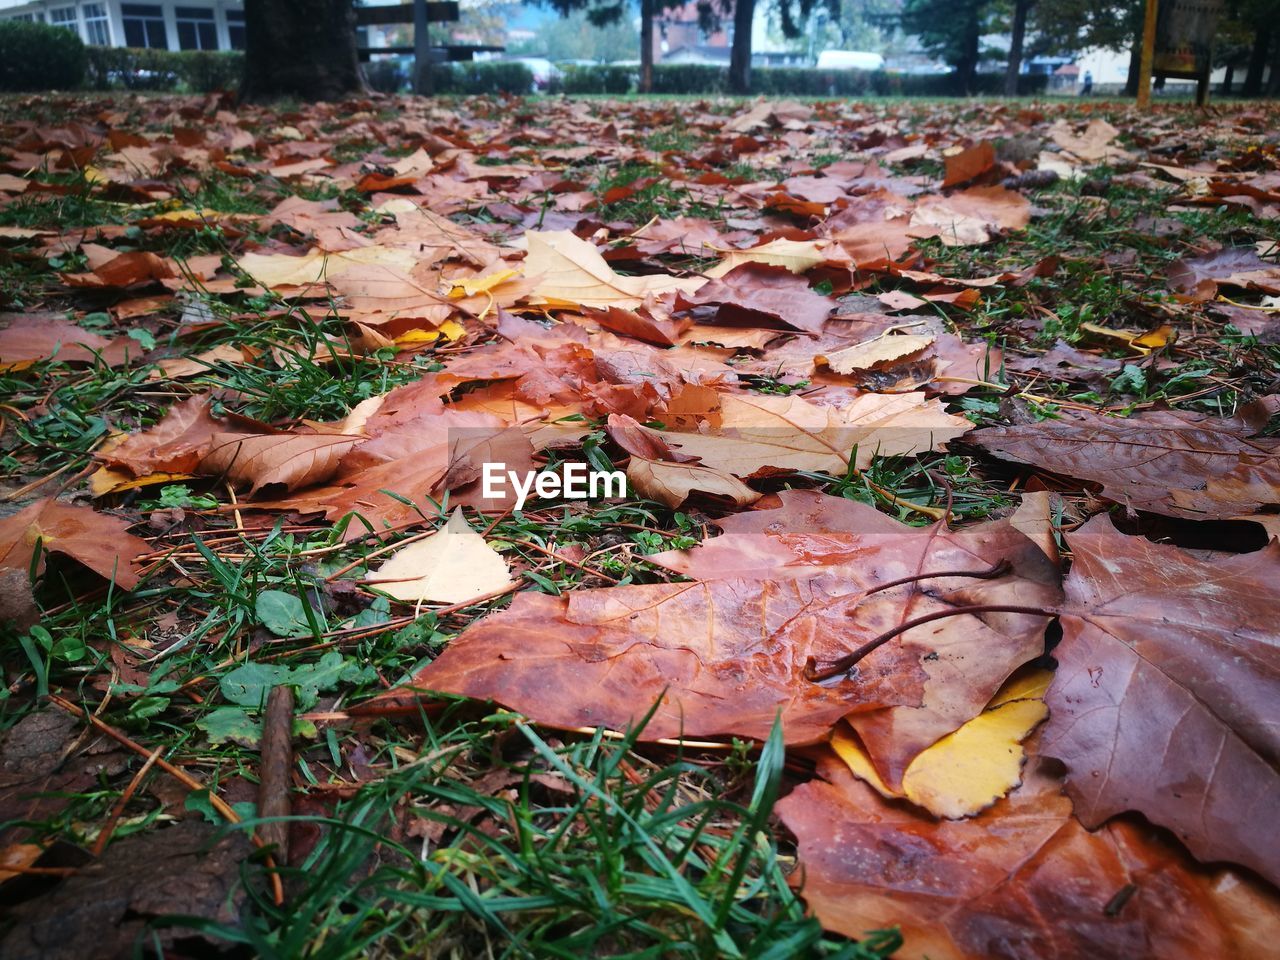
(420, 13)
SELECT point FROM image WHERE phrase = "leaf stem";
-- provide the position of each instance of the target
(849, 661)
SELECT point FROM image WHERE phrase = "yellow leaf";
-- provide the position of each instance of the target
(796, 255)
(973, 767)
(476, 285)
(866, 355)
(1142, 343)
(451, 330)
(105, 480)
(967, 771)
(573, 273)
(452, 565)
(281, 270)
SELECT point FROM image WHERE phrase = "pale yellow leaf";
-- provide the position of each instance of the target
(273, 270)
(869, 353)
(452, 565)
(795, 255)
(572, 272)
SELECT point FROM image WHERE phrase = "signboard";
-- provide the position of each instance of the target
(1184, 38)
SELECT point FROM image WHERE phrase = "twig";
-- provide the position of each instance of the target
(274, 780)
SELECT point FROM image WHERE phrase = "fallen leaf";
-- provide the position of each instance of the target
(261, 460)
(872, 353)
(970, 769)
(1022, 879)
(573, 273)
(795, 256)
(719, 658)
(1165, 695)
(758, 434)
(1146, 461)
(673, 483)
(452, 565)
(968, 164)
(99, 541)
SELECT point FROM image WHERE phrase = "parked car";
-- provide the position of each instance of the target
(849, 60)
(543, 70)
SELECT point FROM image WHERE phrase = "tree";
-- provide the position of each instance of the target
(1017, 33)
(300, 48)
(744, 12)
(952, 30)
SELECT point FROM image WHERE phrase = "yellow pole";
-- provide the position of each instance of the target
(1148, 54)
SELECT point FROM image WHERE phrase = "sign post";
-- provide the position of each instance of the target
(1147, 56)
(1177, 41)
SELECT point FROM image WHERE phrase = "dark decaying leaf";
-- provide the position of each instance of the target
(1165, 696)
(191, 869)
(1165, 461)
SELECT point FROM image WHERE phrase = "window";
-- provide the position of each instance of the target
(144, 25)
(97, 27)
(235, 29)
(196, 29)
(28, 17)
(65, 17)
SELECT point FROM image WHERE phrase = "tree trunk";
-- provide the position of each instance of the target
(1227, 79)
(300, 48)
(1257, 61)
(1135, 68)
(744, 12)
(1020, 10)
(646, 46)
(1273, 81)
(967, 66)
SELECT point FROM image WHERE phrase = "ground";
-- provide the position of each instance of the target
(247, 356)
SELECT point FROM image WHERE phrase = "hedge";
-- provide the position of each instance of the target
(602, 78)
(37, 56)
(483, 76)
(198, 71)
(671, 78)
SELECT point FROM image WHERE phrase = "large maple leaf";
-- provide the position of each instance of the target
(1022, 879)
(1164, 700)
(965, 659)
(1166, 461)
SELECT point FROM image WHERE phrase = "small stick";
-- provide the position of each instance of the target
(274, 775)
(849, 661)
(184, 778)
(104, 836)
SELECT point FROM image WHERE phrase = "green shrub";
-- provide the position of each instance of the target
(808, 82)
(486, 76)
(690, 78)
(207, 71)
(598, 78)
(198, 71)
(36, 56)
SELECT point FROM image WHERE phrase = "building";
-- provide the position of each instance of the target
(190, 25)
